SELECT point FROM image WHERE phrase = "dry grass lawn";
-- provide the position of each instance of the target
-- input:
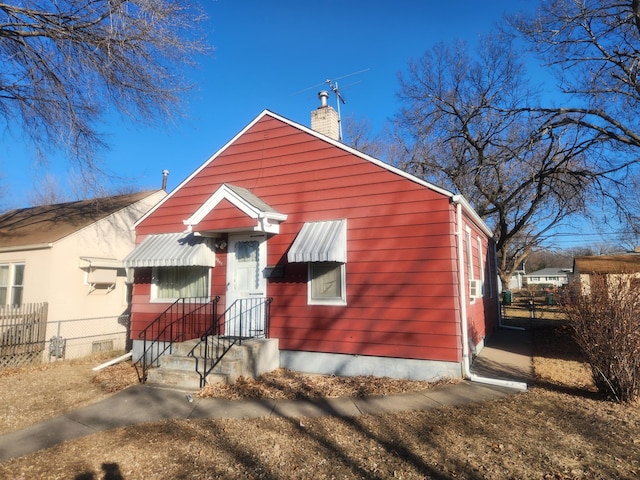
(558, 430)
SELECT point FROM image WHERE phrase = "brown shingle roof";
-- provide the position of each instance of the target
(49, 223)
(627, 263)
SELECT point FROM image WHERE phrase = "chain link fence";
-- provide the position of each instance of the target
(67, 339)
(31, 339)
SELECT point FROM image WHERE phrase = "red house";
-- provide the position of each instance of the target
(354, 266)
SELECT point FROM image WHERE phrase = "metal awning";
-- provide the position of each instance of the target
(100, 262)
(320, 242)
(172, 250)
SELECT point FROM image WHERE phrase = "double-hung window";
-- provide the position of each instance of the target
(326, 284)
(172, 283)
(11, 283)
(323, 246)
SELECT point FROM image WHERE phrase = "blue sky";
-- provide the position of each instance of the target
(272, 54)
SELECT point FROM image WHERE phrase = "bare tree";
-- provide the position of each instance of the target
(358, 134)
(467, 129)
(65, 64)
(593, 47)
(47, 191)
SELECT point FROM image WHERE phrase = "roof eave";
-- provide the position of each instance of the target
(22, 248)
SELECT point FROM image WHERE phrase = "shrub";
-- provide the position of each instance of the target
(605, 319)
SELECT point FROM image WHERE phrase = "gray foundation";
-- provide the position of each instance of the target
(355, 365)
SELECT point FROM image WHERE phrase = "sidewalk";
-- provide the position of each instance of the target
(507, 356)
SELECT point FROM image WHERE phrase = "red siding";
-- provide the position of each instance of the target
(402, 259)
(226, 216)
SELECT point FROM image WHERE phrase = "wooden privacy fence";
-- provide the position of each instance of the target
(23, 331)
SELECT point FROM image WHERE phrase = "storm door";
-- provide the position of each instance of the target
(246, 285)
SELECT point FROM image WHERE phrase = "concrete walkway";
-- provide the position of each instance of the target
(507, 356)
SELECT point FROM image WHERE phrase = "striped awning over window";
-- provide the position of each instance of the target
(172, 250)
(320, 242)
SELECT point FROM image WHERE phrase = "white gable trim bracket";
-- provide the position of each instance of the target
(266, 221)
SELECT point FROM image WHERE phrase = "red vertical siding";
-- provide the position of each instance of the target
(402, 259)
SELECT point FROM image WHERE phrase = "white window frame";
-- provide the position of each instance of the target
(11, 283)
(338, 301)
(481, 265)
(469, 252)
(471, 281)
(155, 288)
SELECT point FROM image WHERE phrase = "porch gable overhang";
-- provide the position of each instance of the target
(267, 219)
(324, 241)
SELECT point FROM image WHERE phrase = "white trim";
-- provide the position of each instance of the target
(264, 219)
(11, 279)
(20, 248)
(466, 206)
(454, 198)
(342, 301)
(464, 322)
(481, 265)
(99, 262)
(475, 289)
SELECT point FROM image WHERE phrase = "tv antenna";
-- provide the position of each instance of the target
(340, 98)
(333, 86)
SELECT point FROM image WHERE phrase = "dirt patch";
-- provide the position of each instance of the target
(32, 394)
(559, 430)
(285, 384)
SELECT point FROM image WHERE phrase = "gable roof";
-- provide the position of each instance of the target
(46, 224)
(254, 207)
(550, 271)
(266, 113)
(626, 263)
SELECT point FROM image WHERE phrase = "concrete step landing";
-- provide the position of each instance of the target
(184, 367)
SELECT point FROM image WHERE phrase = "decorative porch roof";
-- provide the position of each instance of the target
(267, 218)
(172, 250)
(320, 242)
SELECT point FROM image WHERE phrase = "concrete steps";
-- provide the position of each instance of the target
(184, 366)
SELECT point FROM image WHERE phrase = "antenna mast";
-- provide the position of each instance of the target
(339, 99)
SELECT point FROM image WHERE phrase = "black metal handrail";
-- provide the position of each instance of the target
(244, 319)
(183, 320)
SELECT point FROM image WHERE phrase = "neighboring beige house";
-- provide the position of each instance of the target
(64, 262)
(614, 266)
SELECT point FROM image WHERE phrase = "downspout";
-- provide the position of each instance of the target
(466, 364)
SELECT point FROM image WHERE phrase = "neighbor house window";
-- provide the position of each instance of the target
(4, 283)
(11, 283)
(327, 283)
(172, 283)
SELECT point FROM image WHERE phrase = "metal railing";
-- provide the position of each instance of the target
(244, 319)
(183, 320)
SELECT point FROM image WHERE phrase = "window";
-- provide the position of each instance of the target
(481, 266)
(327, 283)
(474, 285)
(11, 283)
(469, 253)
(4, 283)
(171, 283)
(481, 260)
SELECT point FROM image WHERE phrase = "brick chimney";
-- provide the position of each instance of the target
(325, 119)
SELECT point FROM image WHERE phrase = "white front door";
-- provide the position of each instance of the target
(246, 284)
